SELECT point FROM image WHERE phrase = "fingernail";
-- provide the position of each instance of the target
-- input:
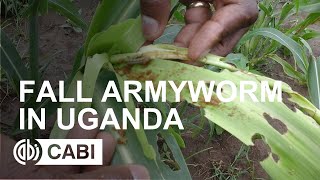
(139, 172)
(150, 27)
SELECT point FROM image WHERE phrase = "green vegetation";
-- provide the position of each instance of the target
(104, 57)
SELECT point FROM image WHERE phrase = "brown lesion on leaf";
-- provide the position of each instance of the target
(275, 157)
(141, 76)
(294, 106)
(276, 124)
(234, 111)
(288, 103)
(123, 69)
(263, 148)
(122, 140)
(145, 63)
(213, 102)
(122, 136)
(214, 87)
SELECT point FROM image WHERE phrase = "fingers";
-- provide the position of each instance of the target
(109, 146)
(186, 34)
(187, 2)
(114, 172)
(155, 15)
(228, 43)
(9, 167)
(224, 22)
(194, 18)
(79, 133)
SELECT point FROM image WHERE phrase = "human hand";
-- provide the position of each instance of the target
(203, 32)
(9, 168)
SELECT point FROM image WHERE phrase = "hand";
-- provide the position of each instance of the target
(203, 32)
(9, 168)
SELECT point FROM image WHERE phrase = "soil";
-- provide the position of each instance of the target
(58, 45)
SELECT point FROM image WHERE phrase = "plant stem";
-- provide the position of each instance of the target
(34, 43)
(34, 54)
(217, 61)
(165, 51)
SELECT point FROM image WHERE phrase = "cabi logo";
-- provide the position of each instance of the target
(59, 151)
(24, 151)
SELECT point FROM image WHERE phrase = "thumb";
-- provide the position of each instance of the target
(155, 15)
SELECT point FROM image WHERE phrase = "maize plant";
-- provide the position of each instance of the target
(112, 52)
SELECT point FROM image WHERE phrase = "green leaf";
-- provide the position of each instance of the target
(177, 12)
(148, 150)
(265, 9)
(122, 38)
(164, 108)
(11, 62)
(43, 6)
(109, 13)
(177, 137)
(56, 132)
(38, 7)
(132, 152)
(296, 146)
(88, 79)
(287, 68)
(297, 51)
(311, 8)
(47, 104)
(179, 16)
(286, 8)
(111, 43)
(68, 10)
(311, 34)
(115, 11)
(313, 75)
(310, 19)
(314, 81)
(79, 59)
(92, 69)
(34, 45)
(297, 5)
(169, 34)
(200, 128)
(239, 60)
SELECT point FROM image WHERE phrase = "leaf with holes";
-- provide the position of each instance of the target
(294, 138)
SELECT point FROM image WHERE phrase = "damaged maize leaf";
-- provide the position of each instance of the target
(294, 147)
(294, 142)
(134, 146)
